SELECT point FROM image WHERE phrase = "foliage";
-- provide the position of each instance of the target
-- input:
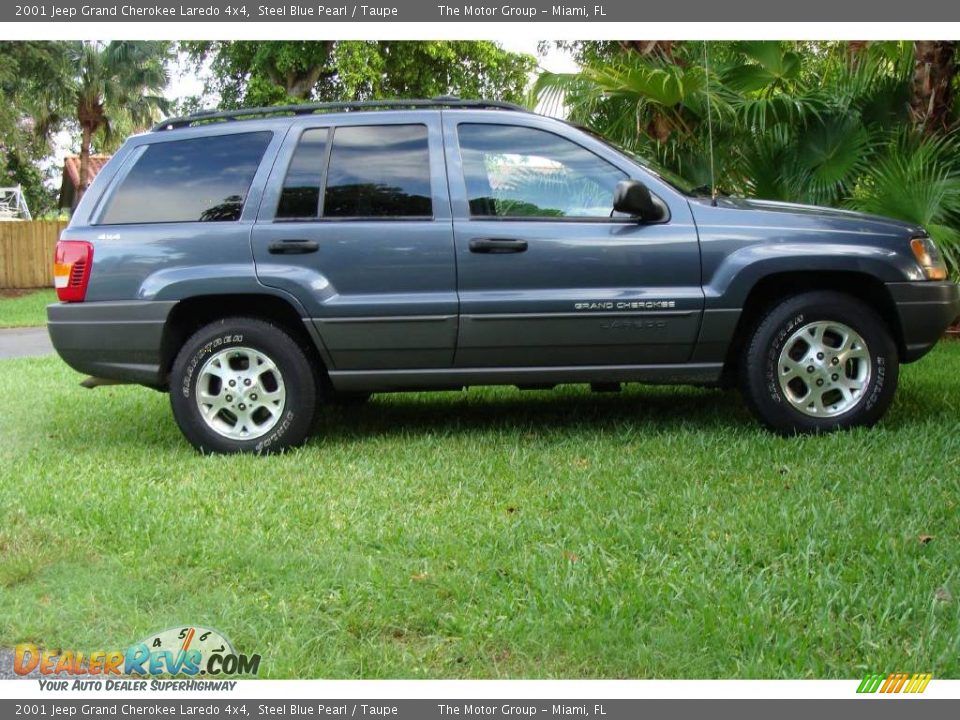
(25, 68)
(107, 90)
(248, 73)
(917, 178)
(813, 122)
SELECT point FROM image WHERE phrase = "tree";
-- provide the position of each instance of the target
(248, 74)
(26, 68)
(935, 67)
(111, 90)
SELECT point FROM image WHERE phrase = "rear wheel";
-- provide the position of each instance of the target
(242, 385)
(818, 362)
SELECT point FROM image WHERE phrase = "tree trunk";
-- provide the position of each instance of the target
(934, 67)
(85, 141)
(855, 50)
(657, 48)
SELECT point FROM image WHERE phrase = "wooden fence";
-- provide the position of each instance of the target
(26, 252)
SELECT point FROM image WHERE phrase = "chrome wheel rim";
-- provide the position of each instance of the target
(240, 393)
(824, 369)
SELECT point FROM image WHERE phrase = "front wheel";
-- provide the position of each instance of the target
(242, 385)
(819, 362)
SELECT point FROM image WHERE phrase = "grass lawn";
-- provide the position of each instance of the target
(23, 308)
(492, 533)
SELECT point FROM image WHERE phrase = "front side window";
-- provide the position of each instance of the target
(378, 171)
(198, 180)
(520, 172)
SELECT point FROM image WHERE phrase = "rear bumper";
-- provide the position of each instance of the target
(113, 340)
(925, 310)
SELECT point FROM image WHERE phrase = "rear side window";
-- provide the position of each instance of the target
(379, 171)
(197, 180)
(300, 197)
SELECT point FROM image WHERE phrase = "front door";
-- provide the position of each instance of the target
(547, 274)
(356, 224)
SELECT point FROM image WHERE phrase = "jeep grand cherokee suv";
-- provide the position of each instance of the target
(261, 263)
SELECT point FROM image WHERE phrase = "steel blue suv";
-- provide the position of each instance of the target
(261, 263)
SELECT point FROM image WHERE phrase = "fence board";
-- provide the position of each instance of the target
(26, 252)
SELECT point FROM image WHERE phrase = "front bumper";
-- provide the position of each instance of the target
(113, 340)
(925, 310)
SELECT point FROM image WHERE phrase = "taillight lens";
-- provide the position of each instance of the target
(71, 269)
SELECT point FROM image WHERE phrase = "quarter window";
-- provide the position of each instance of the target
(520, 172)
(197, 180)
(378, 171)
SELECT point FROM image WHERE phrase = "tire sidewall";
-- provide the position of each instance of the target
(299, 404)
(762, 366)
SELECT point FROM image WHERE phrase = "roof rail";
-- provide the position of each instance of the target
(209, 116)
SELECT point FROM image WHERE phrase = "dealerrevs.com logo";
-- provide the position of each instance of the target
(188, 651)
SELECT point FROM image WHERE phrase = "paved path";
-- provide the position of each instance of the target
(24, 342)
(6, 667)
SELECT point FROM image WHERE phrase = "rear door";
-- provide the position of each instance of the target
(356, 224)
(548, 275)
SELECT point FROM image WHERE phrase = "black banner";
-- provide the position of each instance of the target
(875, 708)
(299, 11)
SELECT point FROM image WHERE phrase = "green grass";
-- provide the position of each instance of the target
(492, 533)
(25, 308)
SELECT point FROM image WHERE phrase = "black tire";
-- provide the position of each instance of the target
(760, 367)
(288, 427)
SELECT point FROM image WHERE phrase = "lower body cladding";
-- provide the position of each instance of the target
(925, 309)
(383, 354)
(119, 341)
(458, 378)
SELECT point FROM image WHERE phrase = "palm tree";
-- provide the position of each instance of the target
(109, 90)
(935, 67)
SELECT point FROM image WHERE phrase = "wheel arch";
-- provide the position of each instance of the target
(192, 313)
(774, 288)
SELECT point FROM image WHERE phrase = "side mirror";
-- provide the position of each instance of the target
(633, 198)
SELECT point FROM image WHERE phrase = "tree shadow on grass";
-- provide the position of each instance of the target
(567, 410)
(643, 410)
(913, 405)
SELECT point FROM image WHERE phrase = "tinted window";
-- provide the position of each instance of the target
(379, 171)
(203, 179)
(300, 197)
(513, 171)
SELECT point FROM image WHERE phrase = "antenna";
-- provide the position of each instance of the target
(713, 175)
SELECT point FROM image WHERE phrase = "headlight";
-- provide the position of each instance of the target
(925, 250)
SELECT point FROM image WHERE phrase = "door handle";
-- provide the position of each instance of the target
(293, 247)
(497, 245)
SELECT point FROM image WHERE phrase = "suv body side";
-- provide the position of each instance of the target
(404, 303)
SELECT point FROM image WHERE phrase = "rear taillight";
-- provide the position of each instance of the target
(71, 269)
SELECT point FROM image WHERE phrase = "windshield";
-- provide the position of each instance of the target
(668, 176)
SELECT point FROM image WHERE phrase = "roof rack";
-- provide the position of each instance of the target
(208, 116)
